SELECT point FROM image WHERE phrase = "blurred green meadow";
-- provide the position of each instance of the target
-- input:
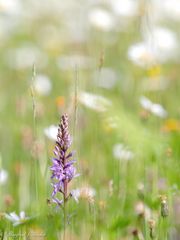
(113, 67)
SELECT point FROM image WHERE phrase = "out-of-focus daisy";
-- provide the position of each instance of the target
(95, 102)
(146, 103)
(125, 8)
(87, 193)
(25, 57)
(51, 132)
(73, 61)
(101, 19)
(3, 176)
(17, 220)
(169, 8)
(121, 152)
(159, 45)
(163, 41)
(141, 54)
(107, 78)
(10, 6)
(173, 9)
(154, 108)
(42, 84)
(158, 110)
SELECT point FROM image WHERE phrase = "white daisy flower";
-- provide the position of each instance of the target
(121, 152)
(154, 108)
(163, 42)
(42, 84)
(172, 9)
(125, 8)
(158, 110)
(95, 102)
(3, 176)
(17, 220)
(10, 6)
(167, 8)
(141, 54)
(101, 19)
(159, 45)
(51, 132)
(146, 103)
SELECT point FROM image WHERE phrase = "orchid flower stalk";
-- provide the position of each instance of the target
(63, 170)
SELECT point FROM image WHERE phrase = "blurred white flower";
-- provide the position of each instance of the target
(167, 9)
(172, 9)
(141, 54)
(163, 42)
(25, 57)
(51, 132)
(3, 176)
(73, 61)
(101, 19)
(121, 152)
(107, 78)
(42, 84)
(86, 192)
(158, 110)
(146, 103)
(160, 44)
(154, 108)
(95, 102)
(10, 6)
(10, 17)
(125, 8)
(17, 220)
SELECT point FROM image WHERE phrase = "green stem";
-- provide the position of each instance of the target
(65, 210)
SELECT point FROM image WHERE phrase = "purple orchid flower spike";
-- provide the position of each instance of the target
(63, 170)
